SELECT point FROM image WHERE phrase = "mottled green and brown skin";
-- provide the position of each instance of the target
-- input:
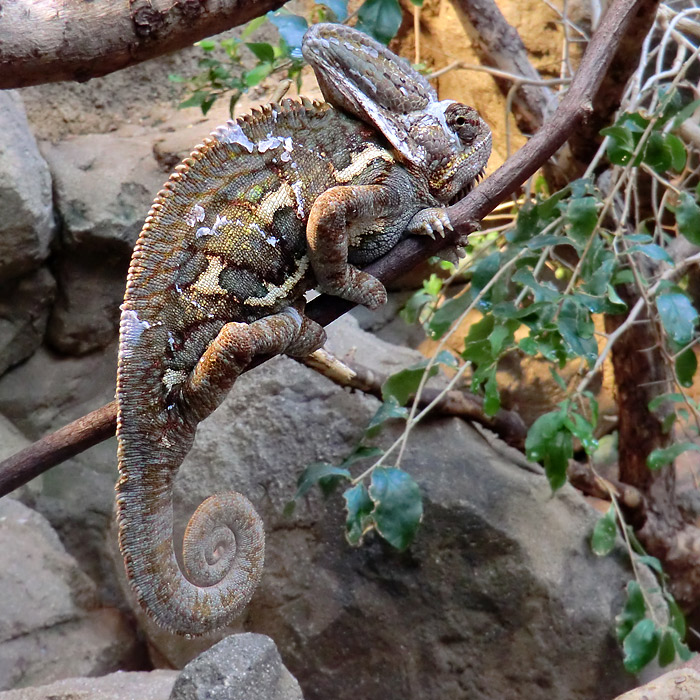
(279, 201)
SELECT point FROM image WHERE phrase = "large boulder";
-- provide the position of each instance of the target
(26, 225)
(51, 625)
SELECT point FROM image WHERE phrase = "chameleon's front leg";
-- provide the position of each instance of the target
(339, 219)
(223, 549)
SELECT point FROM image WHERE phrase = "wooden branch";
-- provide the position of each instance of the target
(43, 41)
(508, 425)
(574, 107)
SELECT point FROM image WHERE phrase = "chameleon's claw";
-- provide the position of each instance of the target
(429, 222)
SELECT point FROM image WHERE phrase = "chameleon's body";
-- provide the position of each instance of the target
(280, 201)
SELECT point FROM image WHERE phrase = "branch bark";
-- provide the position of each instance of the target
(43, 41)
(573, 109)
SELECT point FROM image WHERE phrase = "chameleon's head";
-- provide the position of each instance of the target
(447, 141)
(452, 144)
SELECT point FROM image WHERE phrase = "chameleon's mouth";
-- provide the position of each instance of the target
(467, 188)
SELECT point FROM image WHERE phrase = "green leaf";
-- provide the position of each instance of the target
(652, 563)
(398, 508)
(550, 443)
(678, 316)
(634, 611)
(359, 506)
(677, 618)
(206, 45)
(576, 328)
(686, 366)
(527, 225)
(605, 534)
(291, 28)
(252, 26)
(257, 74)
(314, 473)
(688, 218)
(492, 399)
(640, 645)
(380, 18)
(679, 155)
(582, 214)
(662, 456)
(667, 649)
(262, 51)
(389, 410)
(339, 8)
(653, 251)
(361, 452)
(448, 313)
(403, 384)
(657, 154)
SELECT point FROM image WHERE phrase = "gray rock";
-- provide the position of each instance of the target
(104, 185)
(152, 685)
(27, 225)
(240, 667)
(86, 314)
(45, 393)
(50, 625)
(24, 310)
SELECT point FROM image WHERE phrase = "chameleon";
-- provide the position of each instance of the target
(294, 195)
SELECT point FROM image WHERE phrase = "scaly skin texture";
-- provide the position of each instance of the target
(282, 200)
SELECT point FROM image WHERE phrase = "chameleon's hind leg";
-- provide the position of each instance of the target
(233, 349)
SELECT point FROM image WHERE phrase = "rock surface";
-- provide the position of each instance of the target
(154, 685)
(24, 311)
(50, 623)
(26, 225)
(240, 667)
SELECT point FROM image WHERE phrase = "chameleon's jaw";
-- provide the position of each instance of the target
(455, 175)
(461, 194)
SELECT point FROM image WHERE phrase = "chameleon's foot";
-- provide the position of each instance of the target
(452, 254)
(356, 286)
(428, 222)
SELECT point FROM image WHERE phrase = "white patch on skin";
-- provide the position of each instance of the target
(288, 145)
(272, 240)
(195, 215)
(359, 161)
(349, 46)
(171, 377)
(272, 142)
(298, 189)
(334, 40)
(215, 229)
(171, 341)
(231, 132)
(437, 110)
(208, 281)
(275, 292)
(131, 329)
(272, 201)
(285, 157)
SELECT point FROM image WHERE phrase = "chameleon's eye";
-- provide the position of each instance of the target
(464, 121)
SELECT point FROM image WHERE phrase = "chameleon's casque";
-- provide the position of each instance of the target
(287, 198)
